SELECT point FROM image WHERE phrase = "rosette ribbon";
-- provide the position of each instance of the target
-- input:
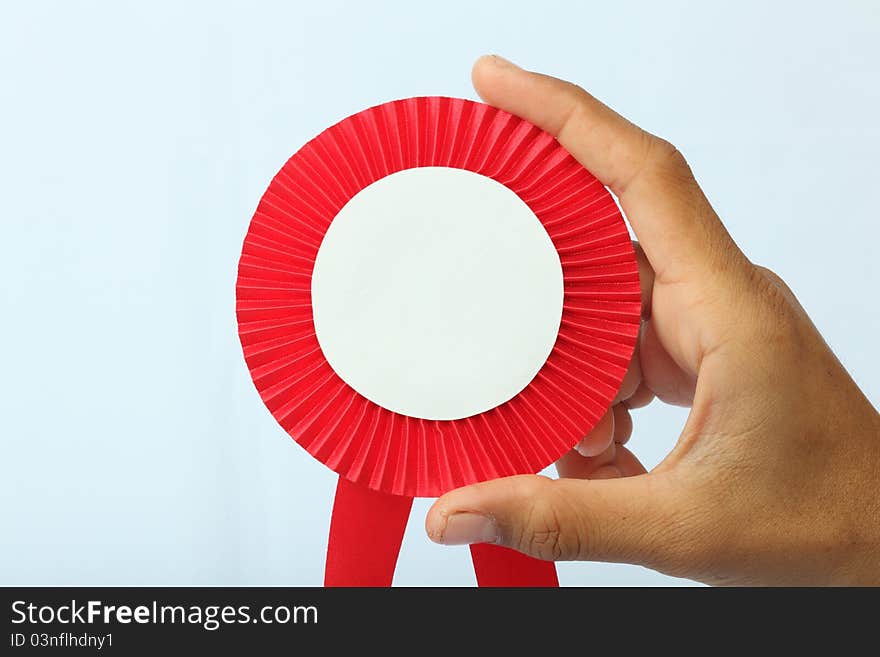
(383, 458)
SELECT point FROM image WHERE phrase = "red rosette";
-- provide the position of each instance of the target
(393, 453)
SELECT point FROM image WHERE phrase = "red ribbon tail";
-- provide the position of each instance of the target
(500, 566)
(366, 530)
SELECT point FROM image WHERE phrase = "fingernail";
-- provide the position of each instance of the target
(505, 63)
(587, 450)
(466, 528)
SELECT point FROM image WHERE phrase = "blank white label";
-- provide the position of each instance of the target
(437, 293)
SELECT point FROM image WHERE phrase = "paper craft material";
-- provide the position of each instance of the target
(433, 293)
(436, 293)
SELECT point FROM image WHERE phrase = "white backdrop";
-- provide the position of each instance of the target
(136, 139)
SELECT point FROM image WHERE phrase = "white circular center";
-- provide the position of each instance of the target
(437, 293)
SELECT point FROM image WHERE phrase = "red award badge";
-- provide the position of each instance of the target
(385, 457)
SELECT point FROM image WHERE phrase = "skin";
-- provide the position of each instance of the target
(774, 477)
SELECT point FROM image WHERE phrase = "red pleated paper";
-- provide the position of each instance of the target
(394, 453)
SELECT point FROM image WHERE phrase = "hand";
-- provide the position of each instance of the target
(774, 479)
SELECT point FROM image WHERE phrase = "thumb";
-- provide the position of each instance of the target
(622, 520)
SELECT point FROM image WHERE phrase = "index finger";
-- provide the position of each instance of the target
(674, 222)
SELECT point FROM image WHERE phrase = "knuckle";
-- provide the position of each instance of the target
(772, 279)
(543, 538)
(660, 161)
(665, 152)
(667, 159)
(779, 316)
(576, 106)
(578, 93)
(529, 487)
(769, 274)
(548, 531)
(664, 149)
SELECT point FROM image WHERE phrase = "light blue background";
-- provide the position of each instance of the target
(136, 139)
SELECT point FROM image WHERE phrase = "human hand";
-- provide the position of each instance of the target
(774, 478)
